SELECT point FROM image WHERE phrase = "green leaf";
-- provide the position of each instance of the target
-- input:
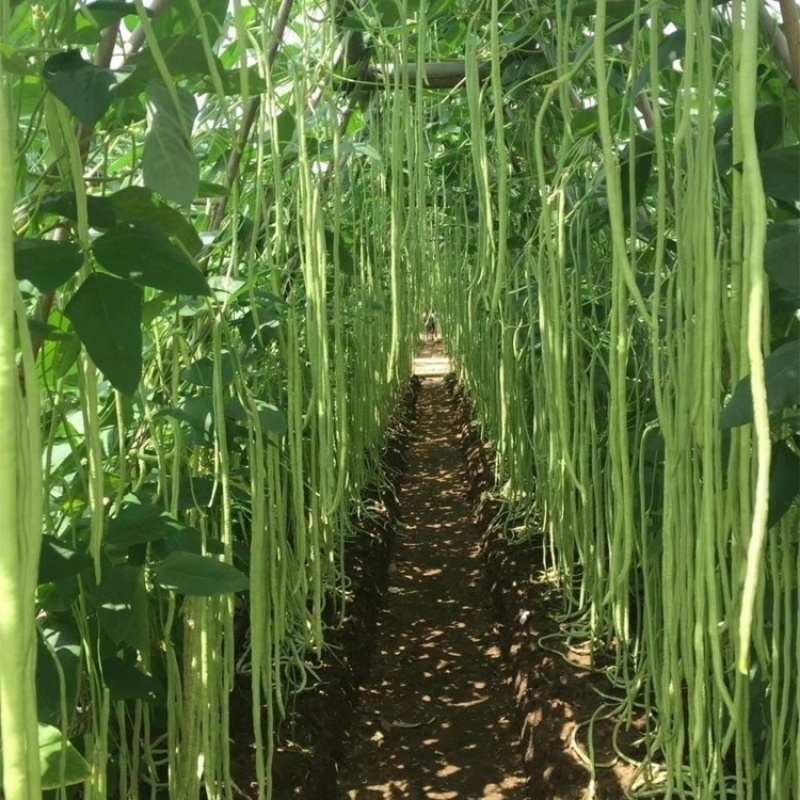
(201, 372)
(104, 13)
(122, 605)
(782, 378)
(260, 324)
(191, 541)
(139, 204)
(780, 173)
(191, 574)
(58, 561)
(782, 257)
(100, 210)
(106, 314)
(169, 164)
(138, 522)
(143, 254)
(127, 682)
(179, 17)
(183, 55)
(209, 189)
(195, 492)
(45, 263)
(46, 332)
(768, 126)
(61, 640)
(586, 121)
(272, 419)
(671, 48)
(53, 750)
(198, 412)
(82, 87)
(784, 481)
(645, 149)
(286, 127)
(344, 253)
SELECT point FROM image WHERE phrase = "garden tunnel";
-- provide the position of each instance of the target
(220, 227)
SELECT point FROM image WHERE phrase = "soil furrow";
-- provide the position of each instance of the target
(435, 718)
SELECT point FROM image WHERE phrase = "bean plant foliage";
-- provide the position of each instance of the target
(225, 219)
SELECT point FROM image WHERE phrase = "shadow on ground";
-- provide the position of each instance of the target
(435, 719)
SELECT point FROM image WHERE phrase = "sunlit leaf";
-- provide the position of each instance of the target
(143, 254)
(139, 204)
(192, 574)
(85, 89)
(54, 752)
(168, 161)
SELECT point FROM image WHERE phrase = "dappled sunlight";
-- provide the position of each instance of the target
(431, 360)
(435, 718)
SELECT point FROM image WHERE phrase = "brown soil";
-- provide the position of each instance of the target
(436, 716)
(437, 686)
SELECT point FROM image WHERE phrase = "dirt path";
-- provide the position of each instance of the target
(435, 718)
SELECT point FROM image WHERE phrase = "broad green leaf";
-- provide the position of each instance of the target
(201, 372)
(122, 605)
(780, 173)
(615, 9)
(259, 325)
(586, 121)
(179, 17)
(190, 540)
(60, 353)
(782, 378)
(198, 412)
(345, 254)
(60, 639)
(128, 682)
(645, 149)
(106, 12)
(53, 750)
(286, 127)
(368, 150)
(784, 481)
(45, 331)
(169, 164)
(195, 492)
(209, 189)
(272, 419)
(782, 257)
(183, 55)
(138, 522)
(191, 574)
(139, 204)
(106, 313)
(82, 87)
(767, 127)
(57, 560)
(671, 48)
(100, 210)
(143, 254)
(45, 263)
